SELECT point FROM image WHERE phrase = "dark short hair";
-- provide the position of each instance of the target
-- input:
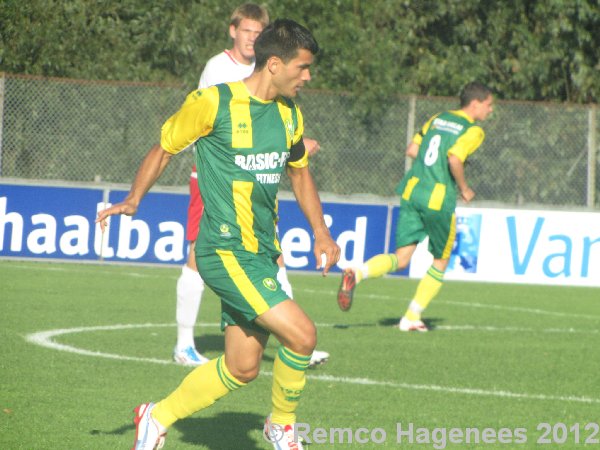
(283, 38)
(474, 91)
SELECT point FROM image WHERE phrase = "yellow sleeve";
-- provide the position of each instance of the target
(418, 138)
(467, 143)
(298, 132)
(194, 120)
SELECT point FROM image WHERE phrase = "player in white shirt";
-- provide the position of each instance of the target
(224, 67)
(247, 22)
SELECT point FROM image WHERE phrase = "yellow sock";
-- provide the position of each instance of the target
(201, 388)
(289, 377)
(428, 288)
(377, 266)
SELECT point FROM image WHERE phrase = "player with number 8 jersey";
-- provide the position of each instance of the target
(429, 181)
(428, 198)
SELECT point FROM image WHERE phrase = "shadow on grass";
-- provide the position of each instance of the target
(432, 322)
(222, 432)
(117, 431)
(210, 342)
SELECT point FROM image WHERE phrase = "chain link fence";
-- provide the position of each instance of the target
(534, 155)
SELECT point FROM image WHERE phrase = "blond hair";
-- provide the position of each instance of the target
(250, 11)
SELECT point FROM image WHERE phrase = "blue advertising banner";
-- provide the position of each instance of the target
(520, 246)
(57, 222)
(156, 234)
(465, 250)
(48, 222)
(359, 230)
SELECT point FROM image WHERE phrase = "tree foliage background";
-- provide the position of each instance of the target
(373, 54)
(524, 49)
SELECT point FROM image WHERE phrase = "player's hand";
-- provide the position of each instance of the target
(312, 146)
(467, 194)
(327, 253)
(120, 208)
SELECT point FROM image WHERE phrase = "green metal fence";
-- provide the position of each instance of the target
(534, 154)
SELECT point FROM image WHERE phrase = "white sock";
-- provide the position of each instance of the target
(416, 308)
(189, 293)
(364, 271)
(285, 283)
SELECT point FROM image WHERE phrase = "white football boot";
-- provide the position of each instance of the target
(412, 325)
(149, 434)
(281, 436)
(318, 357)
(189, 356)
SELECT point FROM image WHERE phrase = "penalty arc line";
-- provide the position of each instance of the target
(45, 339)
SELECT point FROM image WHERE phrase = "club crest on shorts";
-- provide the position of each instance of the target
(224, 229)
(270, 284)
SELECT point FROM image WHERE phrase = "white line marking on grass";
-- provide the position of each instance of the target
(45, 339)
(520, 309)
(452, 390)
(513, 329)
(97, 270)
(471, 305)
(489, 328)
(92, 267)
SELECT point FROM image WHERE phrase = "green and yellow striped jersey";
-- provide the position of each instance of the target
(429, 182)
(242, 146)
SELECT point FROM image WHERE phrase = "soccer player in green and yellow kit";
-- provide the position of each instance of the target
(245, 135)
(428, 200)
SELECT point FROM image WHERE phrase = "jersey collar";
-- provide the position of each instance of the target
(461, 113)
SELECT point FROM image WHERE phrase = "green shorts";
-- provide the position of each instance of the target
(246, 283)
(416, 222)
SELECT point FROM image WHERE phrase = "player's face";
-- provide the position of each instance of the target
(243, 39)
(484, 108)
(292, 76)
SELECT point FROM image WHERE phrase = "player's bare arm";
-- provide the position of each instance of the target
(308, 199)
(412, 150)
(149, 171)
(312, 146)
(457, 169)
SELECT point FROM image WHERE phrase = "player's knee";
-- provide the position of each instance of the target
(306, 340)
(440, 264)
(403, 260)
(245, 374)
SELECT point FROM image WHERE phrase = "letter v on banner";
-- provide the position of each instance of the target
(519, 266)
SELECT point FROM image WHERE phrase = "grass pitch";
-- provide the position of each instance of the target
(82, 344)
